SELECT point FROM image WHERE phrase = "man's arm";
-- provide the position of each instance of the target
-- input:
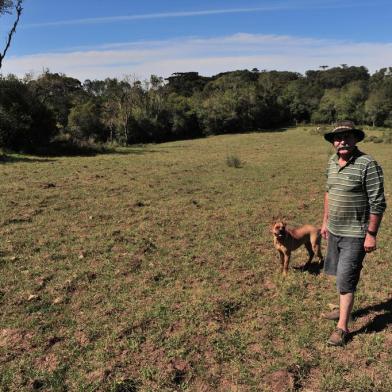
(370, 240)
(375, 192)
(324, 231)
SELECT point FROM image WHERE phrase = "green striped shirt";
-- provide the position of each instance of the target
(354, 191)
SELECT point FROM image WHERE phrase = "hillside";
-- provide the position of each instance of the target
(152, 269)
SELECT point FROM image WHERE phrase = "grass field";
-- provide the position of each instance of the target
(152, 269)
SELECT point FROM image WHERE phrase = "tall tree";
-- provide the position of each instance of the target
(301, 98)
(378, 106)
(84, 122)
(327, 110)
(349, 103)
(186, 83)
(6, 7)
(25, 123)
(59, 93)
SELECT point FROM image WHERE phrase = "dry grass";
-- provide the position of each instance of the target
(153, 269)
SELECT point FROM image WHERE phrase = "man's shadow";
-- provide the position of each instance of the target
(378, 323)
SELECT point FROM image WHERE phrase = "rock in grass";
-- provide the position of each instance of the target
(32, 297)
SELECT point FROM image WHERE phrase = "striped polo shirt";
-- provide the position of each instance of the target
(354, 191)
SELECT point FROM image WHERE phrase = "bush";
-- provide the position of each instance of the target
(387, 136)
(233, 161)
(373, 139)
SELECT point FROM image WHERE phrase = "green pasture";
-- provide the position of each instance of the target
(153, 269)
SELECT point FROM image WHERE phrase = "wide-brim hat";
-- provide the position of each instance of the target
(345, 126)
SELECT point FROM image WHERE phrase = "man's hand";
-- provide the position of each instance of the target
(324, 231)
(370, 243)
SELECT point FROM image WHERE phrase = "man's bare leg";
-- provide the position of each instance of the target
(345, 308)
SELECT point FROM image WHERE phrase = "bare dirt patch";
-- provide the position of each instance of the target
(15, 339)
(279, 381)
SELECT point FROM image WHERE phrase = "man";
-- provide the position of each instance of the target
(353, 207)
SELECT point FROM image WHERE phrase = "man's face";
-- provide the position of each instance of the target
(344, 142)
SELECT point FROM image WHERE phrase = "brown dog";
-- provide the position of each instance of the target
(287, 240)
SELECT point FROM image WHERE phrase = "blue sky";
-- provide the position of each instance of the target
(96, 39)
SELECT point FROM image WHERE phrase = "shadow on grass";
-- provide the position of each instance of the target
(312, 268)
(135, 151)
(272, 130)
(68, 150)
(378, 323)
(13, 159)
(53, 150)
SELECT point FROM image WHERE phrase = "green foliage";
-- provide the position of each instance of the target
(337, 77)
(59, 93)
(184, 120)
(25, 123)
(218, 113)
(351, 101)
(301, 99)
(327, 110)
(377, 107)
(186, 83)
(84, 122)
(187, 105)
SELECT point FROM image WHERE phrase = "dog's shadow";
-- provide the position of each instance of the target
(378, 323)
(312, 268)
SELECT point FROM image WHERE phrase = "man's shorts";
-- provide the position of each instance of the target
(344, 260)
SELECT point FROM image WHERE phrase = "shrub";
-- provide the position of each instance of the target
(387, 137)
(373, 139)
(233, 161)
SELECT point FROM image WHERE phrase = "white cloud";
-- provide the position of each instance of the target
(162, 15)
(206, 56)
(273, 6)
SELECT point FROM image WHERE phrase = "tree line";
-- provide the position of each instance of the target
(34, 112)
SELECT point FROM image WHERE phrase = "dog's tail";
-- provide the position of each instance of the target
(317, 247)
(319, 236)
